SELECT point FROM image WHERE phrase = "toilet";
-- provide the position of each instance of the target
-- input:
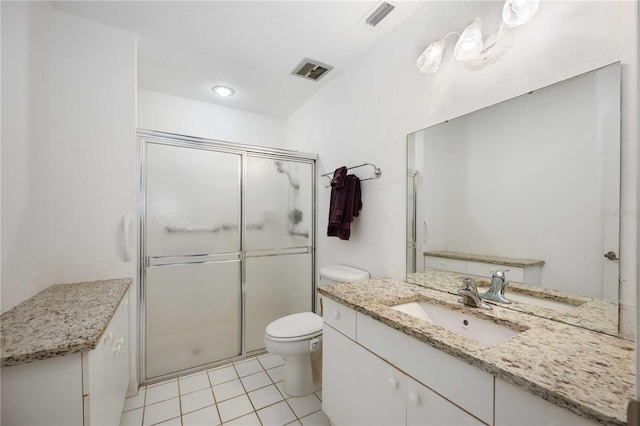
(298, 337)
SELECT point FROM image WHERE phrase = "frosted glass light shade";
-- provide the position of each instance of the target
(429, 61)
(223, 91)
(518, 12)
(470, 43)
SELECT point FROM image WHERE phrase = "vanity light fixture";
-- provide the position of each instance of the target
(471, 48)
(223, 91)
(518, 12)
(470, 43)
(429, 61)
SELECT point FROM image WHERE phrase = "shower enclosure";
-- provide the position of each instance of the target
(227, 247)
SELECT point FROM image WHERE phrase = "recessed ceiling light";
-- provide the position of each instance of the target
(223, 91)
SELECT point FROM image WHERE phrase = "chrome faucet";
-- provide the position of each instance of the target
(498, 285)
(470, 295)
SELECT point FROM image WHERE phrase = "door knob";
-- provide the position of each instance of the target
(611, 255)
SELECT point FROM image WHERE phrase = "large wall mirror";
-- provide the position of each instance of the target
(530, 185)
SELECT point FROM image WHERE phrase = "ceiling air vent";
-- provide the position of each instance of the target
(379, 14)
(311, 69)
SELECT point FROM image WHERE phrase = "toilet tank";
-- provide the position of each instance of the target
(333, 274)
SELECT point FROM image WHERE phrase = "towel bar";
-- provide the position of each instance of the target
(376, 172)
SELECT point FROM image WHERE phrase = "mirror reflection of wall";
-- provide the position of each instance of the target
(534, 177)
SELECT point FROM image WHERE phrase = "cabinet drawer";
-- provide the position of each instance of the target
(340, 317)
(453, 265)
(487, 269)
(457, 381)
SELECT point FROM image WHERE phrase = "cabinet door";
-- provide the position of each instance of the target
(427, 408)
(358, 387)
(103, 404)
(517, 407)
(465, 385)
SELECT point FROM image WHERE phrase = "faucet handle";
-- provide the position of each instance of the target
(501, 273)
(504, 287)
(470, 284)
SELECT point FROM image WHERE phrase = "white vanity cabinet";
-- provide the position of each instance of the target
(362, 388)
(458, 382)
(82, 388)
(358, 387)
(108, 367)
(376, 375)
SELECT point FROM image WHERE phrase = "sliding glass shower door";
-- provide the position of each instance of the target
(227, 247)
(279, 212)
(193, 257)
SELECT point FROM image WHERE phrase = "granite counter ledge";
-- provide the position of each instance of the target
(60, 320)
(496, 260)
(548, 360)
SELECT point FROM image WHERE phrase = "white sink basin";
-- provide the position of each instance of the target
(483, 331)
(556, 305)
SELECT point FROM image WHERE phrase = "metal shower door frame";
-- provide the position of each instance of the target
(145, 137)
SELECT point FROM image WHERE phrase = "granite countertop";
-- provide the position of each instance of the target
(591, 313)
(60, 320)
(498, 260)
(592, 374)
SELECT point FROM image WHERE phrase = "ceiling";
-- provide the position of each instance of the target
(186, 47)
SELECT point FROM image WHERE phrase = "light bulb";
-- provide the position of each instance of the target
(470, 43)
(518, 12)
(429, 61)
(223, 91)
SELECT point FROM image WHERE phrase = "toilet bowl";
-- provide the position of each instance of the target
(298, 338)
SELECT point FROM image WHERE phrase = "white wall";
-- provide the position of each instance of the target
(69, 164)
(94, 159)
(27, 202)
(366, 113)
(69, 121)
(94, 156)
(173, 114)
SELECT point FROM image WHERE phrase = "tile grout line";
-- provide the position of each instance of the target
(247, 393)
(144, 406)
(215, 400)
(179, 400)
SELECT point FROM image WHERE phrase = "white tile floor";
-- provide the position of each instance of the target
(244, 393)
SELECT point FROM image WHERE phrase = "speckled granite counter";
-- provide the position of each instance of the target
(60, 320)
(593, 314)
(592, 374)
(498, 260)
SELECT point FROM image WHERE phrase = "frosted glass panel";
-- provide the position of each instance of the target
(276, 286)
(278, 204)
(192, 201)
(192, 315)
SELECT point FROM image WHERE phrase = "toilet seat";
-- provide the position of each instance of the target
(301, 326)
